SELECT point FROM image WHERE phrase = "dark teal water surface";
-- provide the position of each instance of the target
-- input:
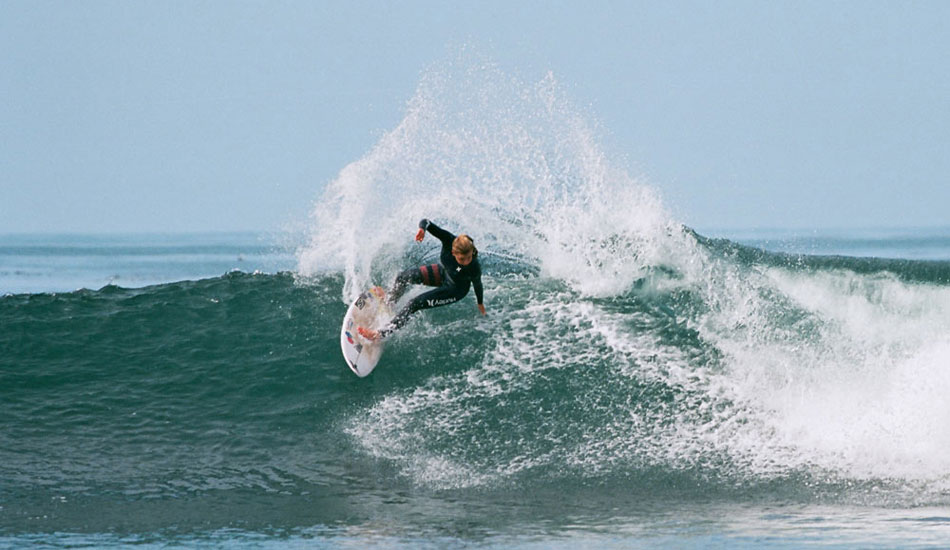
(219, 412)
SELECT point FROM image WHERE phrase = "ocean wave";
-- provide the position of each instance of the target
(621, 348)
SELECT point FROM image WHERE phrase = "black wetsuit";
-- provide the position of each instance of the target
(453, 280)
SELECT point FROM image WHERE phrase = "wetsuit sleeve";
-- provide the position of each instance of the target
(437, 232)
(477, 284)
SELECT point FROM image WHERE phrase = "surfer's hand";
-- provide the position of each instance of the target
(481, 308)
(420, 234)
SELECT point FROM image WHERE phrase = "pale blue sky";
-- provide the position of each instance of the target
(194, 116)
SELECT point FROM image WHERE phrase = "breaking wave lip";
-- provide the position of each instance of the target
(684, 352)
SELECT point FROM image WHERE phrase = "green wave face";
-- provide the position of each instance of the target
(763, 379)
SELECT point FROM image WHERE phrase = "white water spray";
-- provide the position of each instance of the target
(784, 370)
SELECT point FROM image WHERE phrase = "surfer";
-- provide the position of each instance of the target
(457, 270)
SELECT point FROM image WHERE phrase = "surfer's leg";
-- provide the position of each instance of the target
(408, 277)
(442, 296)
(429, 275)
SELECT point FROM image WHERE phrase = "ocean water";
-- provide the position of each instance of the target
(636, 384)
(35, 263)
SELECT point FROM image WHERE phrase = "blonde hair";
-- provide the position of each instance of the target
(463, 245)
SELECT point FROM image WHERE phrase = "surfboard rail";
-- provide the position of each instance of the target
(370, 310)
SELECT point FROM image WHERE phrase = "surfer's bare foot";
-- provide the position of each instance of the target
(367, 333)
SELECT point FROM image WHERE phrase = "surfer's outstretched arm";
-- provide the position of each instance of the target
(439, 233)
(477, 285)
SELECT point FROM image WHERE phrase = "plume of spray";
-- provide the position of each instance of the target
(510, 163)
(790, 370)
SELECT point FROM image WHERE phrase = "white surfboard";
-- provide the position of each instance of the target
(369, 310)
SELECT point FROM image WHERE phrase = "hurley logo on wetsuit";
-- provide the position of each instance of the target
(433, 303)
